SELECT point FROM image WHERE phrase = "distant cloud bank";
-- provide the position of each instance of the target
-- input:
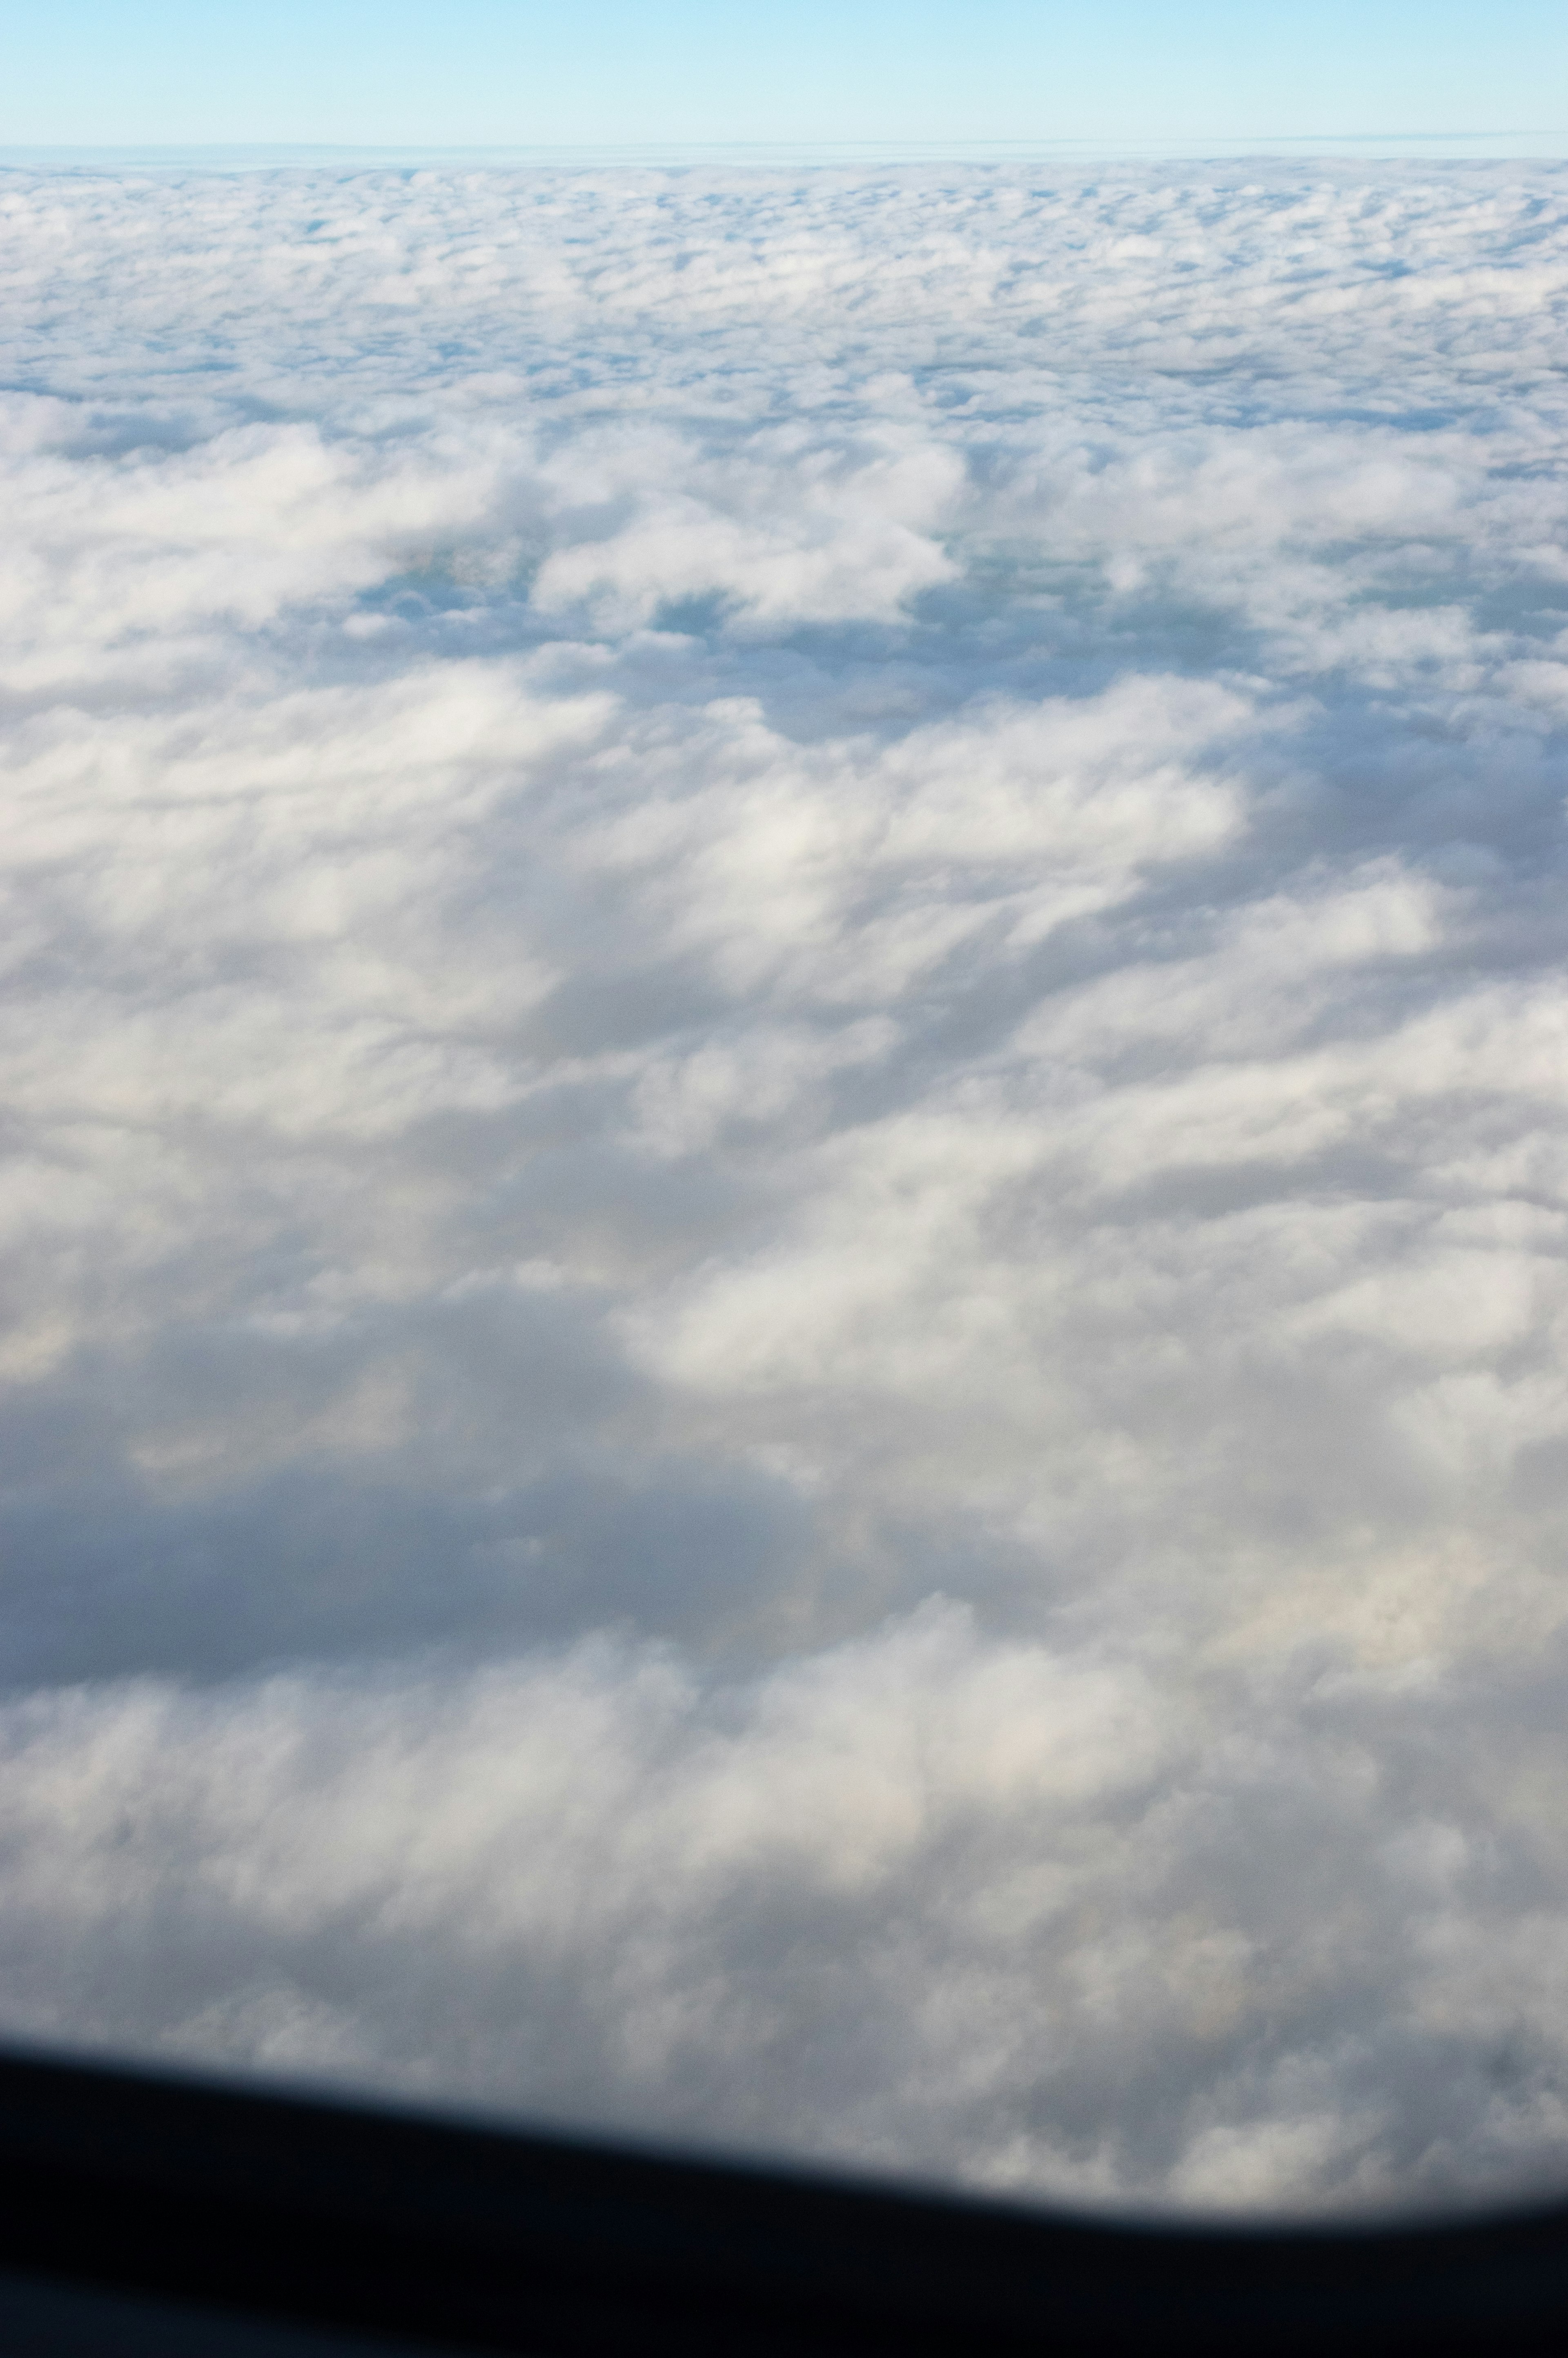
(786, 1189)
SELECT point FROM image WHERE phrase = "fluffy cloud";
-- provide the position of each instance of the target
(787, 1156)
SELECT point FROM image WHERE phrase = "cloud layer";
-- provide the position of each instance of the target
(787, 1156)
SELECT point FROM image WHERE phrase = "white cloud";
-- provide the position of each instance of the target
(734, 901)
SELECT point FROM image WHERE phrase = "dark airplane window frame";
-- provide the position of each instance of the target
(149, 2215)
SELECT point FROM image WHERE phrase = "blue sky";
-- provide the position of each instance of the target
(611, 71)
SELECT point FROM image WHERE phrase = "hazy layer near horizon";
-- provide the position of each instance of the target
(786, 1205)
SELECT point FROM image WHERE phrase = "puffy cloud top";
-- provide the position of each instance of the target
(786, 1201)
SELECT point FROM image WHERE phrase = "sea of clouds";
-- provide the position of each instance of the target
(785, 1206)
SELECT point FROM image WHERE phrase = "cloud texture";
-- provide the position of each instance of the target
(786, 1191)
